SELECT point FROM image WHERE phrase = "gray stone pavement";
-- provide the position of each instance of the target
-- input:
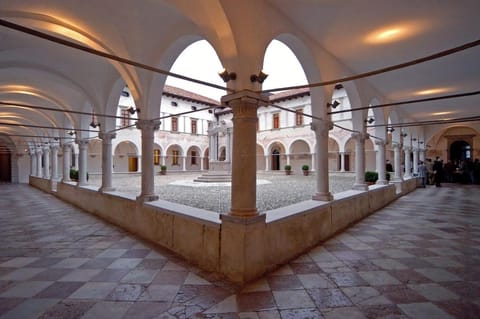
(417, 258)
(274, 189)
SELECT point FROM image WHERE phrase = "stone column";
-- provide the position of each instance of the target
(381, 163)
(184, 163)
(312, 166)
(408, 164)
(67, 157)
(33, 163)
(342, 161)
(359, 161)
(107, 161)
(76, 160)
(396, 162)
(82, 161)
(148, 128)
(39, 162)
(421, 154)
(415, 161)
(46, 162)
(321, 128)
(266, 162)
(54, 162)
(244, 172)
(228, 147)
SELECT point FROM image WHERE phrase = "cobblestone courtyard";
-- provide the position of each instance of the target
(273, 189)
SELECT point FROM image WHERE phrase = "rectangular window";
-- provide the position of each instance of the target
(194, 126)
(156, 157)
(194, 158)
(174, 124)
(125, 120)
(299, 117)
(276, 120)
(175, 157)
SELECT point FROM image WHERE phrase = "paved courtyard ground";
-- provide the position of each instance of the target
(417, 258)
(273, 189)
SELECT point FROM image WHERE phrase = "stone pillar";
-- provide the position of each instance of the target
(415, 161)
(76, 160)
(342, 161)
(359, 161)
(184, 163)
(46, 162)
(321, 128)
(288, 158)
(408, 164)
(67, 157)
(148, 128)
(33, 163)
(381, 163)
(39, 162)
(312, 166)
(244, 173)
(107, 161)
(164, 159)
(266, 162)
(421, 154)
(54, 162)
(396, 162)
(82, 162)
(228, 147)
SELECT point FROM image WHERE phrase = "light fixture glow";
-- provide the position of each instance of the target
(395, 32)
(442, 113)
(432, 91)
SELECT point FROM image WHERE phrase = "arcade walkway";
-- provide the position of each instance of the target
(417, 258)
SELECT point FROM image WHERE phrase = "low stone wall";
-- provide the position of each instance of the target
(192, 233)
(242, 249)
(40, 183)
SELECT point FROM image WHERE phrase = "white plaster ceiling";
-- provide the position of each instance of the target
(145, 31)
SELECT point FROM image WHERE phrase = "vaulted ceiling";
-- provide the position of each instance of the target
(343, 37)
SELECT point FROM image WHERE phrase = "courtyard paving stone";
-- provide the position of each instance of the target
(416, 258)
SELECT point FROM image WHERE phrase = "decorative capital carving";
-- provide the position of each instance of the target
(82, 142)
(360, 136)
(152, 125)
(397, 145)
(107, 136)
(380, 142)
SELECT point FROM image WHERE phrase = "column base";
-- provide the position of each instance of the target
(147, 198)
(360, 187)
(326, 197)
(106, 189)
(243, 213)
(382, 182)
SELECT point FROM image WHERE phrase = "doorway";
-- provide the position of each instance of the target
(132, 164)
(275, 160)
(460, 151)
(5, 166)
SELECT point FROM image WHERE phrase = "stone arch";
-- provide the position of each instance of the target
(174, 157)
(334, 157)
(261, 162)
(276, 155)
(125, 158)
(193, 161)
(350, 155)
(94, 153)
(300, 154)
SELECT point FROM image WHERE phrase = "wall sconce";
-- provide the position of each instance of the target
(94, 124)
(390, 129)
(404, 134)
(420, 142)
(71, 133)
(227, 76)
(370, 120)
(258, 78)
(132, 111)
(414, 139)
(333, 105)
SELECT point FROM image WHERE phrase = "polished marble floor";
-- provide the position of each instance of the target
(417, 258)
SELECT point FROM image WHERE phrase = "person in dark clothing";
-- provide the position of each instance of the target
(389, 166)
(437, 171)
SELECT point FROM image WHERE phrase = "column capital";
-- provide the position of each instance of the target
(245, 97)
(54, 147)
(153, 125)
(321, 126)
(380, 142)
(407, 148)
(360, 136)
(397, 145)
(107, 136)
(82, 142)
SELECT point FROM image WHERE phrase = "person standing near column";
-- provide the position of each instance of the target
(422, 173)
(437, 171)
